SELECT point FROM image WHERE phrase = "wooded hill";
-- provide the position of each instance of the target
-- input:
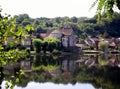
(82, 26)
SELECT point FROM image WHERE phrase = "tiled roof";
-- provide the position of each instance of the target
(49, 32)
(56, 32)
(43, 35)
(66, 31)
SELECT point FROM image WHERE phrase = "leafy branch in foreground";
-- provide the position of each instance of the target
(106, 7)
(10, 36)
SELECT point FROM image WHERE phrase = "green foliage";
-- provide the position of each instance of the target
(118, 47)
(52, 43)
(17, 80)
(29, 28)
(21, 72)
(106, 6)
(45, 62)
(11, 35)
(82, 26)
(103, 45)
(37, 45)
(105, 35)
(48, 67)
(48, 44)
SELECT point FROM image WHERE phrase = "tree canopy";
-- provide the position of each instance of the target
(82, 26)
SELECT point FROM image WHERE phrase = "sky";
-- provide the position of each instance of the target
(48, 8)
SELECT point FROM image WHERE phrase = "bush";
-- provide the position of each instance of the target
(48, 44)
(103, 45)
(51, 43)
(37, 43)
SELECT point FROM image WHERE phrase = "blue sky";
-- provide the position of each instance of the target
(48, 8)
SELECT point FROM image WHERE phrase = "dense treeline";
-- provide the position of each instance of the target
(82, 26)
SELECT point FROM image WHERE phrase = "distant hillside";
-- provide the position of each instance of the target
(82, 26)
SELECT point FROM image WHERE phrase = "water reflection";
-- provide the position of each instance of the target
(101, 60)
(50, 85)
(102, 71)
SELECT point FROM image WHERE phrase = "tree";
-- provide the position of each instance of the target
(106, 6)
(37, 45)
(21, 18)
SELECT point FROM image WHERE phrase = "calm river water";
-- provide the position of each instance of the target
(66, 72)
(50, 85)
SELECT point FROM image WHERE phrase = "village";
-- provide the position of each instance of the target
(59, 44)
(66, 36)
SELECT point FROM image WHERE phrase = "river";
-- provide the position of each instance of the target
(68, 71)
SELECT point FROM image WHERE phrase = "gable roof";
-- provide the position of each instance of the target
(67, 32)
(49, 32)
(43, 35)
(56, 32)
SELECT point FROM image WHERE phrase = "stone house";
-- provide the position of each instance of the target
(68, 39)
(65, 35)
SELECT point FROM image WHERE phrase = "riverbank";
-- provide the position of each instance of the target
(100, 52)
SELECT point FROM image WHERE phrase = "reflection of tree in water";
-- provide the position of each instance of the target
(37, 60)
(100, 77)
(105, 77)
(45, 60)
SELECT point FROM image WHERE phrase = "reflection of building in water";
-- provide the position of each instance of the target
(26, 66)
(68, 65)
(99, 60)
(114, 60)
(64, 65)
(11, 69)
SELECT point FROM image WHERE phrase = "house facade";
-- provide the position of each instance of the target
(68, 39)
(65, 35)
